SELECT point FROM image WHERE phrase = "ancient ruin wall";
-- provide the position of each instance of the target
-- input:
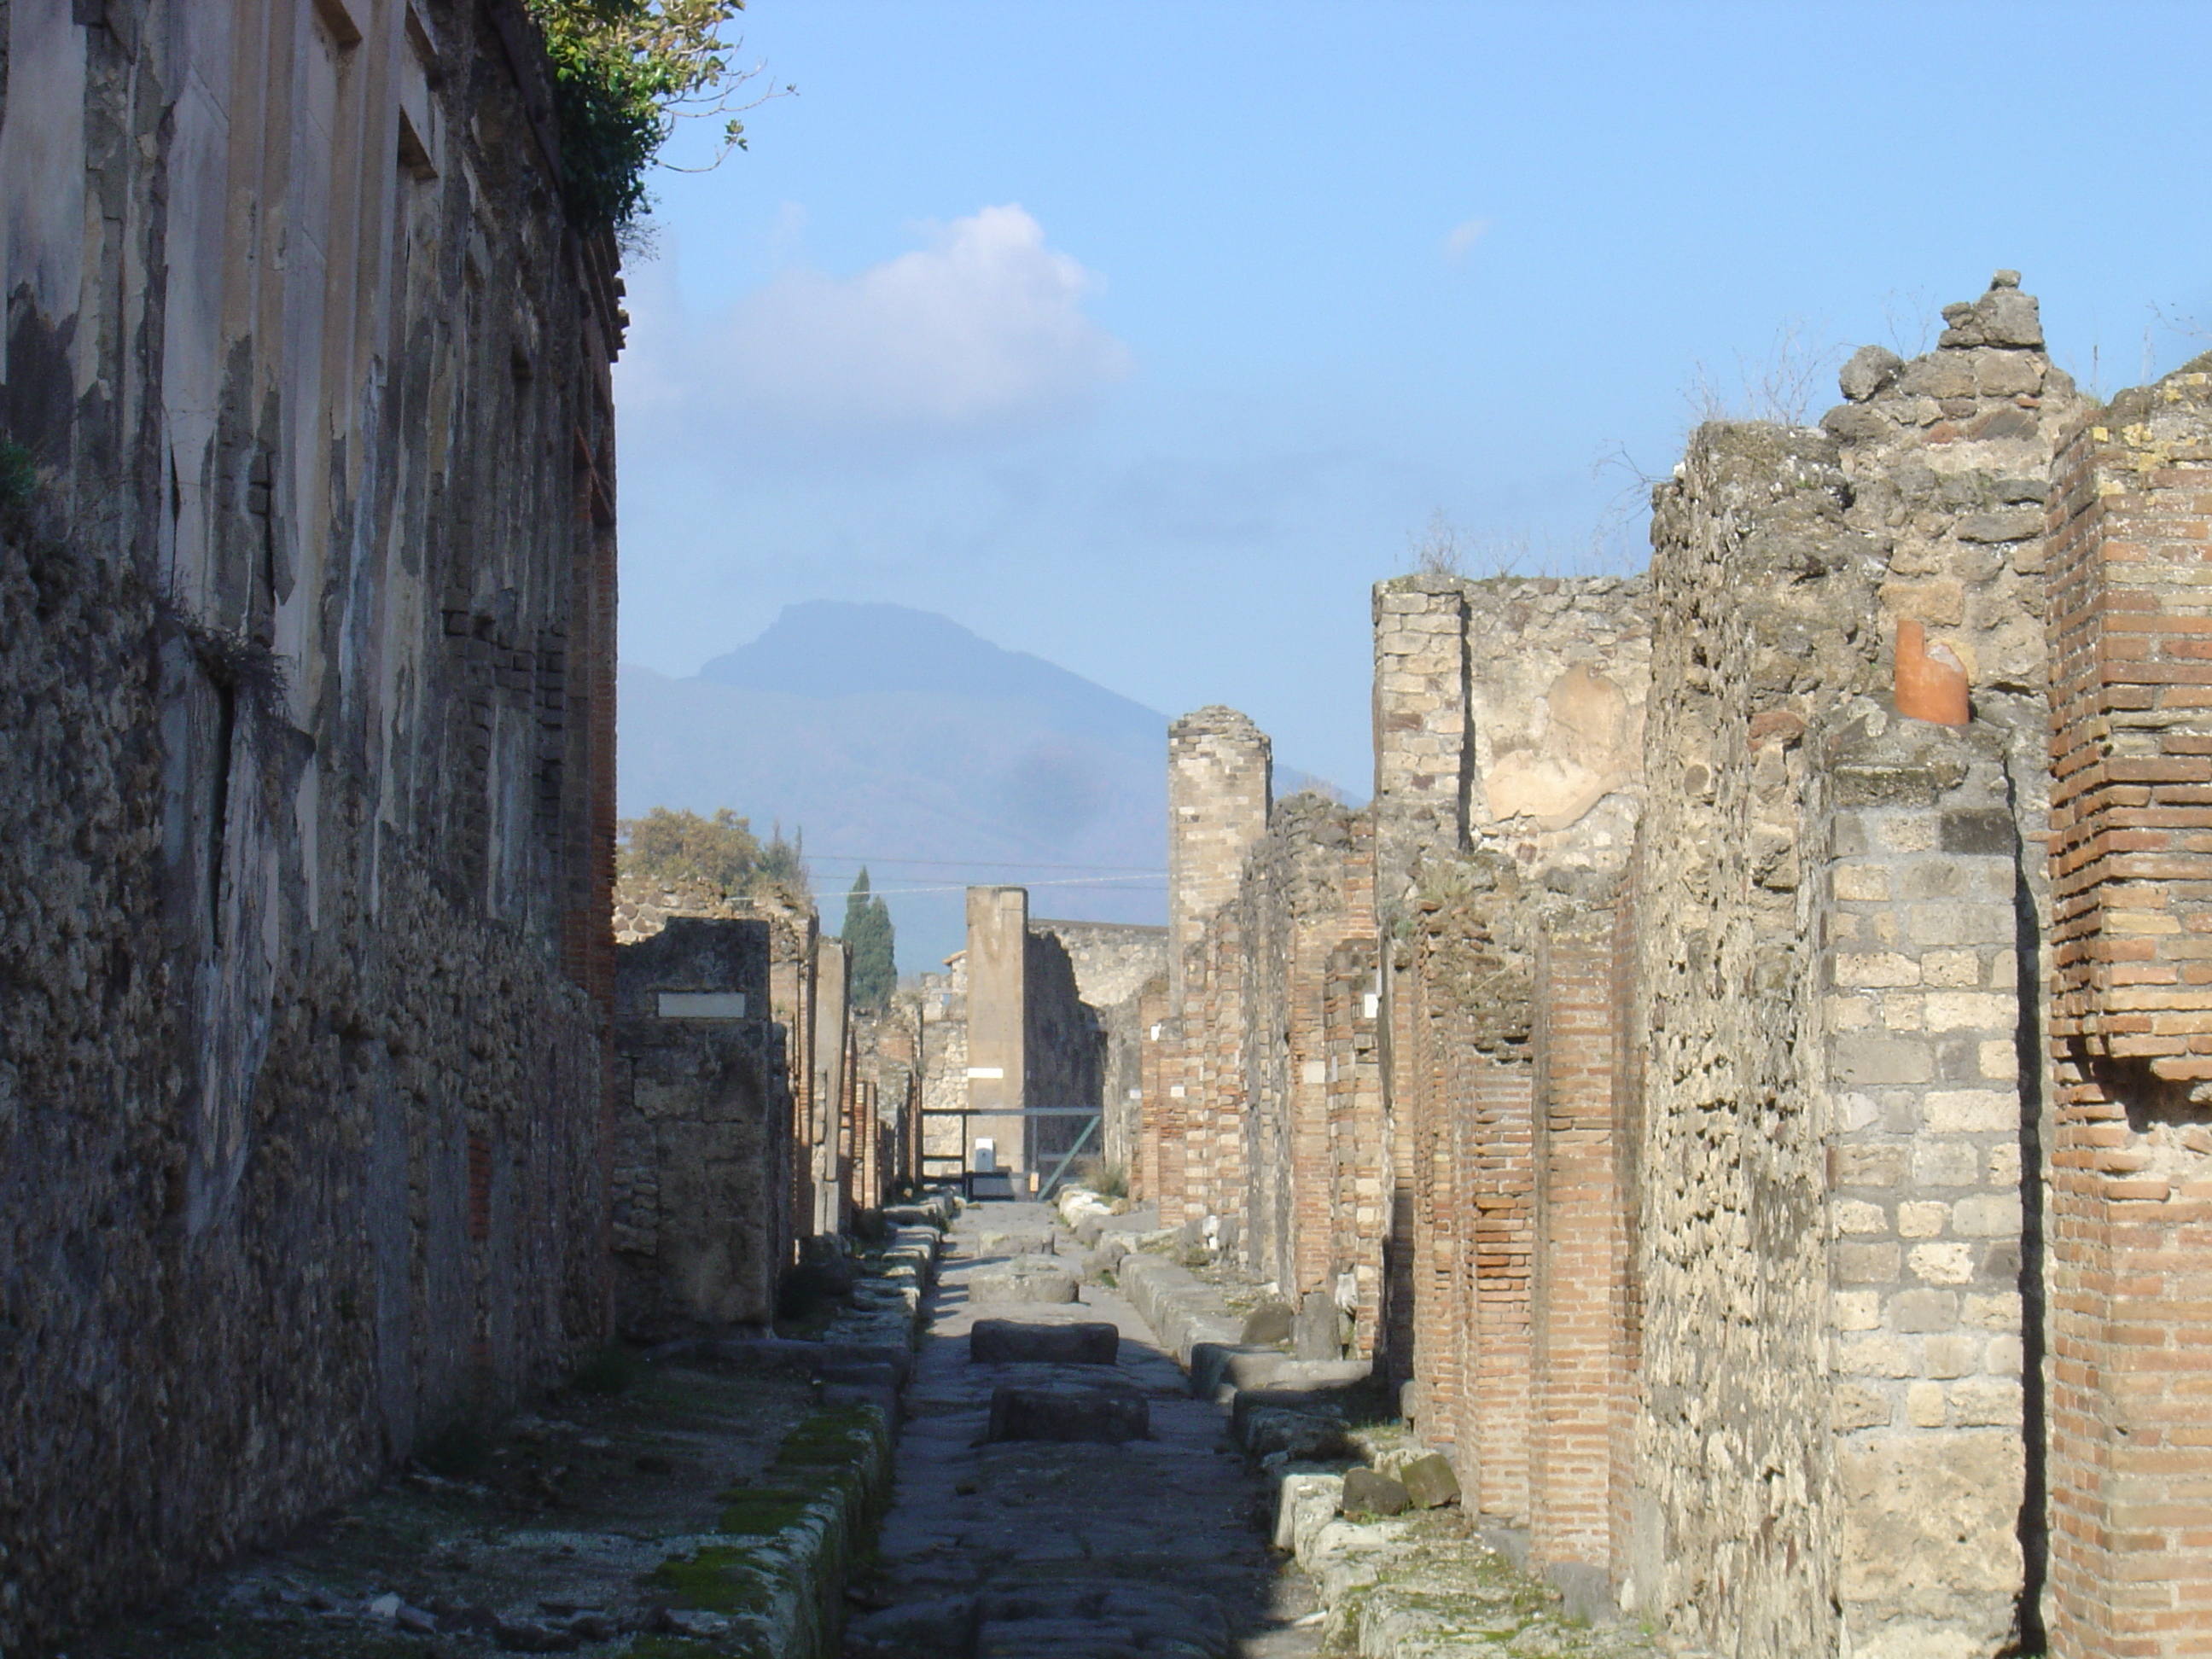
(1761, 594)
(1220, 783)
(702, 1224)
(2130, 1151)
(1115, 962)
(1064, 1054)
(1510, 718)
(307, 655)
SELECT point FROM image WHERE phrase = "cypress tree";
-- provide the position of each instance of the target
(867, 936)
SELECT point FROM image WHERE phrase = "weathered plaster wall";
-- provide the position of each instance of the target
(307, 657)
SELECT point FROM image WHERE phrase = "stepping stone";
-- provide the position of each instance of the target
(1017, 1244)
(1429, 1482)
(1105, 1415)
(1017, 1282)
(1009, 1342)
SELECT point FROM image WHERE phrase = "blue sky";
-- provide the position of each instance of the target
(1145, 336)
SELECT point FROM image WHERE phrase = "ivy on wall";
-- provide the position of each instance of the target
(625, 73)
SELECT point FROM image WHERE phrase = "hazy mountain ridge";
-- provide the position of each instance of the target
(895, 734)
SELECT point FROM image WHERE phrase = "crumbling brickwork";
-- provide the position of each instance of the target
(2130, 1251)
(308, 658)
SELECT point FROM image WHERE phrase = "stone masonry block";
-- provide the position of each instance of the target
(1986, 1402)
(1959, 921)
(1876, 1354)
(1971, 1111)
(1946, 1163)
(1849, 1013)
(1855, 1310)
(1924, 1404)
(1864, 1061)
(1919, 1311)
(1906, 832)
(1854, 1406)
(1946, 1263)
(1862, 883)
(1876, 970)
(2002, 1356)
(1987, 1215)
(1933, 879)
(1952, 1354)
(2004, 1164)
(1855, 1217)
(1922, 1218)
(1866, 1264)
(1998, 1059)
(1952, 971)
(1965, 1011)
(1999, 1312)
(1868, 1166)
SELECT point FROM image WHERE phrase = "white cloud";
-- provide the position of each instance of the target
(982, 332)
(1464, 236)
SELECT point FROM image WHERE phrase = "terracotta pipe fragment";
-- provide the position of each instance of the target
(1931, 682)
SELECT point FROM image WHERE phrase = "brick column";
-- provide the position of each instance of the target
(2129, 1240)
(1579, 1244)
(1497, 1128)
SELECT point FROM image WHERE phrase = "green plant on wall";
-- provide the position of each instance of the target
(624, 73)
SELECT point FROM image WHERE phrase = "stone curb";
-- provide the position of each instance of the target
(785, 1590)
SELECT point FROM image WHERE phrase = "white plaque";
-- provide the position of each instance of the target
(702, 1005)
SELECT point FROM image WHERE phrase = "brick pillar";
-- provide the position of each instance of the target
(2129, 1235)
(1579, 1244)
(1498, 1135)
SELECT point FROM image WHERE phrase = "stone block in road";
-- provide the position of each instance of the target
(1109, 1415)
(1018, 1285)
(1010, 1342)
(1020, 1243)
(1429, 1482)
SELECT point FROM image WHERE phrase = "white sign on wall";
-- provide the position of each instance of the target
(702, 1005)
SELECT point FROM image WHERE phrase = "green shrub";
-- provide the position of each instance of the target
(1108, 1180)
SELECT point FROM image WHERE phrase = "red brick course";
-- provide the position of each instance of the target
(2129, 1243)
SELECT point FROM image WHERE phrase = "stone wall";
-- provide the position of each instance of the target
(702, 1222)
(308, 661)
(1709, 1127)
(1064, 1056)
(1114, 964)
(1220, 782)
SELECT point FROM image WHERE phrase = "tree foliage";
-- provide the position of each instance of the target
(681, 848)
(869, 940)
(624, 73)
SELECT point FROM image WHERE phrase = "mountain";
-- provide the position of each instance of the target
(899, 737)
